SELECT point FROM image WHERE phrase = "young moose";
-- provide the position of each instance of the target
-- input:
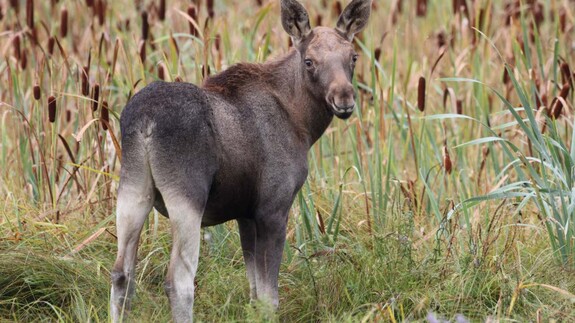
(235, 148)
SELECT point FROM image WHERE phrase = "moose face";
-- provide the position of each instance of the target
(327, 55)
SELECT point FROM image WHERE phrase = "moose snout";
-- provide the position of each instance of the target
(341, 97)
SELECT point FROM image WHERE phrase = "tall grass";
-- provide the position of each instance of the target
(451, 196)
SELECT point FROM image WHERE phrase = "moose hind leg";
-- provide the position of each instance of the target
(135, 199)
(185, 220)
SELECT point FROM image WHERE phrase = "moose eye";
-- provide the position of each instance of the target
(308, 62)
(354, 58)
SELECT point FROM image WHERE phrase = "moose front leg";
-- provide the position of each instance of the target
(270, 240)
(248, 239)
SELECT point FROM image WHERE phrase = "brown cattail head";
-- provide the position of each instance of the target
(90, 3)
(563, 19)
(506, 79)
(17, 50)
(95, 96)
(557, 104)
(459, 107)
(210, 5)
(30, 13)
(318, 19)
(145, 25)
(84, 77)
(37, 92)
(105, 115)
(100, 8)
(178, 79)
(23, 60)
(51, 43)
(68, 116)
(193, 13)
(421, 9)
(143, 51)
(377, 54)
(161, 72)
(52, 108)
(15, 4)
(63, 23)
(446, 158)
(421, 94)
(566, 74)
(162, 10)
(260, 2)
(441, 39)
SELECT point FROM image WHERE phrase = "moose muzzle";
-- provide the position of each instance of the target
(341, 98)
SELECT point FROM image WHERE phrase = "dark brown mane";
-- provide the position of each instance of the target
(231, 80)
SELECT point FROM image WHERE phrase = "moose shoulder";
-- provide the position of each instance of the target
(235, 148)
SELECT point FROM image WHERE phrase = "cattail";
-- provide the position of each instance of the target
(337, 8)
(217, 42)
(68, 116)
(100, 8)
(566, 74)
(178, 79)
(15, 4)
(52, 108)
(557, 103)
(421, 9)
(145, 25)
(143, 51)
(537, 10)
(95, 96)
(161, 72)
(23, 60)
(193, 13)
(37, 92)
(421, 94)
(30, 13)
(105, 115)
(17, 50)
(51, 43)
(210, 5)
(377, 54)
(1, 12)
(260, 2)
(90, 3)
(63, 23)
(441, 41)
(563, 19)
(84, 78)
(399, 6)
(162, 10)
(506, 78)
(446, 158)
(459, 107)
(318, 19)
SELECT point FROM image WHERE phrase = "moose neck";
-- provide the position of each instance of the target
(308, 112)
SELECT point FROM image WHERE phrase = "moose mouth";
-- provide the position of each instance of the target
(342, 112)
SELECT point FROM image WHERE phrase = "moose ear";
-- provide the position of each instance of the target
(354, 18)
(295, 20)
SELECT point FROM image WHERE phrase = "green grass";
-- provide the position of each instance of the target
(400, 237)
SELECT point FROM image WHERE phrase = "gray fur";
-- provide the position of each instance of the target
(236, 148)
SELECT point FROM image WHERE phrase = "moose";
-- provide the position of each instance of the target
(233, 149)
